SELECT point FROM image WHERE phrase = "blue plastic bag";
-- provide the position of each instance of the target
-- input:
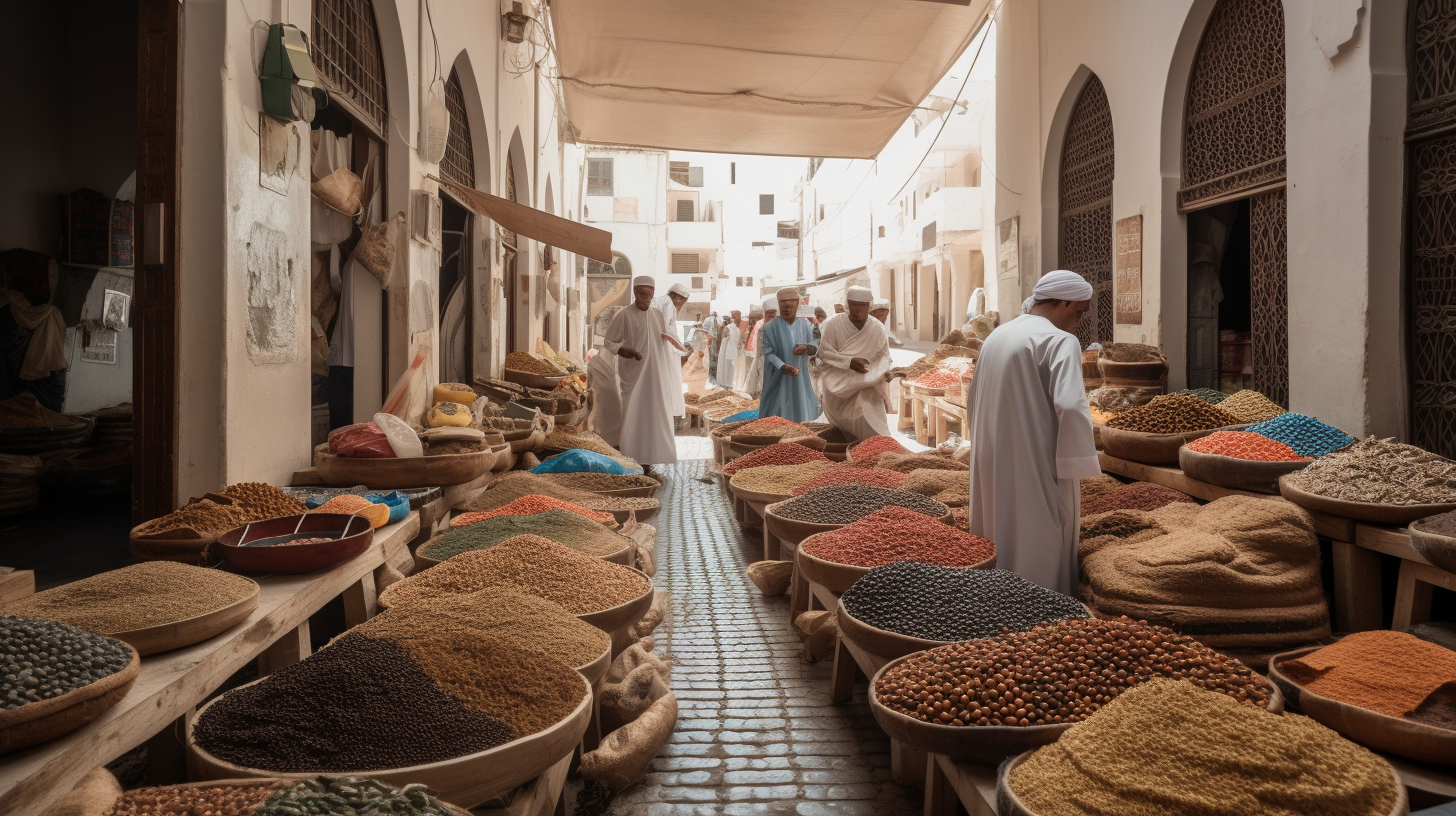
(397, 502)
(578, 460)
(752, 413)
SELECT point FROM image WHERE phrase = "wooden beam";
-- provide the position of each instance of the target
(16, 584)
(1358, 603)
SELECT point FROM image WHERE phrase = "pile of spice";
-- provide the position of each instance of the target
(897, 534)
(205, 518)
(562, 439)
(530, 364)
(1380, 471)
(939, 378)
(1005, 679)
(873, 477)
(845, 503)
(949, 604)
(42, 659)
(772, 426)
(1098, 485)
(531, 505)
(1442, 525)
(563, 527)
(525, 621)
(951, 488)
(906, 462)
(597, 482)
(780, 454)
(222, 800)
(534, 565)
(25, 411)
(867, 450)
(1171, 414)
(349, 504)
(1208, 395)
(352, 796)
(932, 360)
(960, 518)
(779, 480)
(1306, 435)
(1136, 496)
(1099, 416)
(1249, 405)
(1245, 445)
(1131, 353)
(515, 485)
(1392, 673)
(707, 397)
(1169, 747)
(263, 501)
(152, 593)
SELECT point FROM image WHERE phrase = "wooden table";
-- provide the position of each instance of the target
(947, 411)
(539, 797)
(171, 685)
(918, 400)
(948, 782)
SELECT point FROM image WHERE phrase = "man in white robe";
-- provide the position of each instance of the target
(646, 361)
(728, 349)
(880, 310)
(754, 385)
(1031, 436)
(746, 349)
(601, 375)
(669, 305)
(854, 356)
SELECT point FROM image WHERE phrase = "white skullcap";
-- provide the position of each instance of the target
(879, 303)
(1062, 285)
(771, 303)
(860, 294)
(678, 289)
(788, 292)
(643, 280)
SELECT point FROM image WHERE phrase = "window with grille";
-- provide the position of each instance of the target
(927, 237)
(765, 204)
(458, 163)
(620, 267)
(789, 229)
(695, 177)
(685, 263)
(684, 209)
(882, 231)
(697, 283)
(599, 177)
(743, 281)
(345, 52)
(677, 171)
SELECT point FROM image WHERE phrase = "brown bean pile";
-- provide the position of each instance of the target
(263, 501)
(562, 439)
(509, 615)
(151, 593)
(534, 565)
(939, 485)
(593, 482)
(845, 503)
(524, 361)
(1058, 672)
(906, 462)
(208, 518)
(1171, 414)
(513, 486)
(783, 453)
(1097, 485)
(1136, 496)
(1131, 353)
(1249, 406)
(778, 479)
(1380, 471)
(224, 800)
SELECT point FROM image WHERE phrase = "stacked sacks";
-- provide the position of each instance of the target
(1241, 573)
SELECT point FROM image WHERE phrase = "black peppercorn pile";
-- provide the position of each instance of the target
(41, 659)
(359, 705)
(949, 603)
(845, 503)
(1060, 672)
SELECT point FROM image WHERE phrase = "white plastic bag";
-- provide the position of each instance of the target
(401, 436)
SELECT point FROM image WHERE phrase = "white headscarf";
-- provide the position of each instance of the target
(770, 303)
(1058, 285)
(643, 280)
(860, 294)
(678, 289)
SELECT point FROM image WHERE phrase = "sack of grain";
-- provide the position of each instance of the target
(771, 577)
(645, 537)
(656, 614)
(819, 630)
(634, 656)
(625, 753)
(623, 702)
(93, 796)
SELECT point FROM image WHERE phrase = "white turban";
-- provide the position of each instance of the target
(787, 293)
(879, 303)
(1062, 285)
(860, 294)
(643, 280)
(771, 303)
(678, 289)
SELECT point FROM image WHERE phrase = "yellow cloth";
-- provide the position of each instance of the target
(47, 350)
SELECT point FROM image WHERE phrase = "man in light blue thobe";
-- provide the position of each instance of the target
(788, 343)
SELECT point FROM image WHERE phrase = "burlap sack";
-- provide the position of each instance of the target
(636, 655)
(93, 796)
(340, 191)
(818, 630)
(623, 702)
(656, 614)
(645, 537)
(375, 251)
(625, 753)
(771, 577)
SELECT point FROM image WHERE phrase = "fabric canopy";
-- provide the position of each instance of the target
(549, 229)
(825, 78)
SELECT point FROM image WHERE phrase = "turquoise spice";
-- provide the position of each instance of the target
(1307, 435)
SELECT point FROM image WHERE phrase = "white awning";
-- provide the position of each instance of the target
(825, 78)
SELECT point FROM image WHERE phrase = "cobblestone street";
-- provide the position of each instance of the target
(756, 733)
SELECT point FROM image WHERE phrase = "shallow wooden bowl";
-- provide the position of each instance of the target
(1151, 449)
(35, 723)
(453, 810)
(300, 558)
(167, 637)
(464, 781)
(977, 743)
(1361, 511)
(532, 443)
(792, 530)
(623, 556)
(838, 578)
(638, 492)
(733, 449)
(1394, 735)
(879, 642)
(541, 381)
(597, 669)
(1235, 473)
(1440, 550)
(1152, 372)
(505, 458)
(754, 495)
(384, 474)
(622, 615)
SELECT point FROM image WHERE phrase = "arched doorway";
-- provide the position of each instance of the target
(1084, 206)
(1233, 193)
(1431, 233)
(517, 266)
(456, 264)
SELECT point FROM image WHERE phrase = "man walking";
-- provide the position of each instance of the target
(854, 356)
(788, 343)
(645, 365)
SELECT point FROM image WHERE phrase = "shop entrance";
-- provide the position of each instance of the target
(1220, 299)
(456, 335)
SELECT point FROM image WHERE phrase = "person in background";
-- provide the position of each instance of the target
(646, 365)
(747, 349)
(1031, 435)
(880, 310)
(854, 357)
(819, 318)
(788, 343)
(770, 308)
(712, 327)
(728, 339)
(669, 305)
(839, 308)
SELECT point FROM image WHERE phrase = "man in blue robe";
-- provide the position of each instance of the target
(787, 344)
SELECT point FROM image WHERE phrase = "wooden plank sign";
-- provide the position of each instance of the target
(1129, 277)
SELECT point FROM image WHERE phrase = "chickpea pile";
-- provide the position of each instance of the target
(1060, 672)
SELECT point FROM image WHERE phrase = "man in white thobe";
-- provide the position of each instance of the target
(1031, 436)
(854, 356)
(669, 305)
(754, 385)
(646, 360)
(880, 310)
(728, 349)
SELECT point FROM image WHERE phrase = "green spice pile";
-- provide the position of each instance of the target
(598, 482)
(562, 526)
(152, 593)
(844, 503)
(534, 565)
(1208, 395)
(222, 800)
(780, 480)
(949, 604)
(1167, 747)
(899, 534)
(1131, 353)
(1171, 414)
(1250, 406)
(351, 796)
(1053, 673)
(43, 659)
(1380, 471)
(515, 485)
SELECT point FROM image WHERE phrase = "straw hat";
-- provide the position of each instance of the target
(340, 192)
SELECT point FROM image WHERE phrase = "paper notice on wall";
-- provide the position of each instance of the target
(1129, 275)
(115, 310)
(1008, 254)
(98, 343)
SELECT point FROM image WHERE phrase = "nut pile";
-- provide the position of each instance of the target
(873, 477)
(531, 505)
(779, 454)
(772, 426)
(1245, 445)
(525, 361)
(1136, 496)
(1380, 471)
(43, 659)
(263, 501)
(152, 593)
(1306, 435)
(207, 518)
(594, 482)
(1053, 673)
(223, 800)
(781, 480)
(868, 449)
(949, 604)
(534, 565)
(1171, 414)
(844, 503)
(560, 526)
(1131, 353)
(897, 534)
(1249, 405)
(351, 796)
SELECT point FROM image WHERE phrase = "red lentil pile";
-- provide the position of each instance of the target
(1172, 413)
(530, 506)
(873, 477)
(960, 518)
(1136, 496)
(772, 426)
(869, 448)
(899, 534)
(780, 454)
(938, 379)
(1244, 445)
(1392, 673)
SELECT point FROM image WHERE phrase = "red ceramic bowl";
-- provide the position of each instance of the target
(243, 548)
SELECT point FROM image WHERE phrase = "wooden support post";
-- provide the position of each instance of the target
(771, 548)
(287, 650)
(942, 432)
(360, 601)
(1357, 588)
(1413, 593)
(907, 764)
(940, 795)
(167, 753)
(841, 682)
(907, 407)
(799, 594)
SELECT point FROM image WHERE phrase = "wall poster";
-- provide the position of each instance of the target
(1128, 278)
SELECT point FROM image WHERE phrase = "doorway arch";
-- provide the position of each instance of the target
(1084, 205)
